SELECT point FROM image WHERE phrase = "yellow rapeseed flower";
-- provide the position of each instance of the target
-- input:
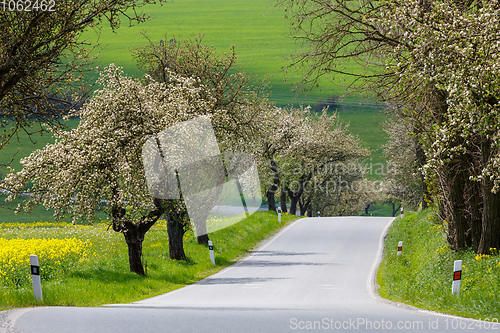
(53, 254)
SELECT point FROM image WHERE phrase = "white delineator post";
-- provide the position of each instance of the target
(402, 215)
(211, 250)
(35, 276)
(279, 214)
(400, 247)
(457, 277)
(318, 214)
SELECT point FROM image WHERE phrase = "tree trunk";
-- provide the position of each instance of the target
(473, 202)
(176, 214)
(368, 207)
(283, 199)
(394, 209)
(271, 203)
(455, 207)
(175, 230)
(490, 231)
(201, 231)
(475, 208)
(293, 205)
(295, 195)
(134, 240)
(134, 232)
(304, 206)
(458, 210)
(203, 239)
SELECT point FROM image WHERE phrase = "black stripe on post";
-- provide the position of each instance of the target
(35, 270)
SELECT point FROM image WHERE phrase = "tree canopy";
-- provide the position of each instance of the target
(436, 61)
(43, 57)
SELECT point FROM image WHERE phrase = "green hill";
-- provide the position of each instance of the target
(256, 28)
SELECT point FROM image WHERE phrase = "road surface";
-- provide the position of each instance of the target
(315, 275)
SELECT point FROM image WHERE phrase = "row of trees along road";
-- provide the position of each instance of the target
(437, 63)
(101, 158)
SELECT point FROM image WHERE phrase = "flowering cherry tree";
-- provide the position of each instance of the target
(448, 53)
(304, 154)
(240, 106)
(101, 160)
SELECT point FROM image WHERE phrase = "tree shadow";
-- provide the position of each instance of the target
(243, 280)
(106, 275)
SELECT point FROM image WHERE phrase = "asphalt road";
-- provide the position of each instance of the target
(315, 275)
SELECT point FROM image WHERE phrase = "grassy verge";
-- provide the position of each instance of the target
(94, 268)
(422, 274)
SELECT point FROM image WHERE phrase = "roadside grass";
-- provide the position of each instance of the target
(422, 275)
(99, 273)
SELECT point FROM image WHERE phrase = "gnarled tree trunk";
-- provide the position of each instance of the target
(176, 214)
(134, 232)
(175, 232)
(134, 240)
(490, 231)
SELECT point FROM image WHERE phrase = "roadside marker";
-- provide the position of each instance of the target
(211, 250)
(35, 276)
(318, 214)
(402, 215)
(279, 214)
(400, 247)
(457, 277)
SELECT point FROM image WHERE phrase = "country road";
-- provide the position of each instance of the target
(315, 275)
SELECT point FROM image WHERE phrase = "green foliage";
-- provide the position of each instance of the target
(422, 274)
(105, 278)
(43, 58)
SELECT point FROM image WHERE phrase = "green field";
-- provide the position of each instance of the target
(258, 31)
(22, 145)
(256, 28)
